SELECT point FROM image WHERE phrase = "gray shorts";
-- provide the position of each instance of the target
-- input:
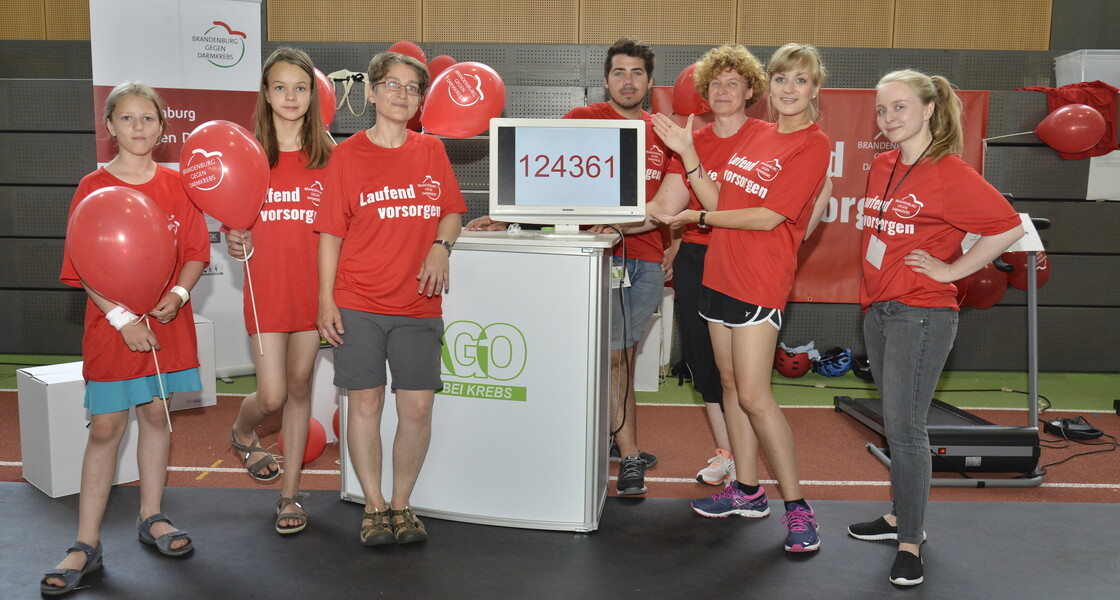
(411, 345)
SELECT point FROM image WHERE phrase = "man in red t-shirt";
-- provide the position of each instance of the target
(637, 280)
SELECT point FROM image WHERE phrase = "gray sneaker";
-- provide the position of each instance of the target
(631, 476)
(649, 459)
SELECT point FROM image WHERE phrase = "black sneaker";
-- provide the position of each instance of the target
(878, 529)
(631, 476)
(649, 459)
(907, 569)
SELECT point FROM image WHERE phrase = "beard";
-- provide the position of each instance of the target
(627, 103)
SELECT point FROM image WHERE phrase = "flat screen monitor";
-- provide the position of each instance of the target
(567, 172)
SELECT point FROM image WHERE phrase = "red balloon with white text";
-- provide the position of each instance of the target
(463, 99)
(225, 172)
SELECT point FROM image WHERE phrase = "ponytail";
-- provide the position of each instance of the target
(945, 123)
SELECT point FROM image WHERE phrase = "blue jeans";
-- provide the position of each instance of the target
(641, 299)
(907, 347)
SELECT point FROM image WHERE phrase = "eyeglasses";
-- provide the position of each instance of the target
(396, 86)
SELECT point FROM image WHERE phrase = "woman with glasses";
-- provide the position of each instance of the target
(391, 211)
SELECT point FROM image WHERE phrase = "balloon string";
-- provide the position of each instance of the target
(1000, 137)
(159, 378)
(252, 299)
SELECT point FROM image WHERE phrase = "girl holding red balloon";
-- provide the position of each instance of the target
(118, 346)
(921, 199)
(282, 248)
(392, 210)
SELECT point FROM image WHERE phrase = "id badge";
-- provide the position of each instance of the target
(876, 249)
(620, 278)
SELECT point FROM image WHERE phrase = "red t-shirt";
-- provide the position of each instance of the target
(937, 203)
(649, 245)
(386, 204)
(283, 271)
(779, 171)
(713, 152)
(106, 356)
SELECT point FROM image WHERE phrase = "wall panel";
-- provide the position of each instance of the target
(22, 20)
(491, 21)
(702, 22)
(67, 19)
(343, 20)
(840, 23)
(968, 24)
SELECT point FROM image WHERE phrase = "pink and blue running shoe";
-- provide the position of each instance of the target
(732, 501)
(801, 526)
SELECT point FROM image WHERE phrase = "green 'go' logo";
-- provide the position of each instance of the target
(496, 351)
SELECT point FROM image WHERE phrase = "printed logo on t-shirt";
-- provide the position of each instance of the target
(740, 180)
(655, 156)
(172, 224)
(430, 188)
(768, 170)
(314, 192)
(906, 207)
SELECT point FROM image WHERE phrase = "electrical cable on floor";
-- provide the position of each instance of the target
(1065, 443)
(622, 391)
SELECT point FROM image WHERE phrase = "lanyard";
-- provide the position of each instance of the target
(888, 191)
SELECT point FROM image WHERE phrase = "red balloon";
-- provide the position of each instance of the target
(686, 100)
(982, 289)
(326, 97)
(415, 122)
(440, 64)
(122, 247)
(408, 48)
(225, 172)
(463, 99)
(316, 441)
(1017, 278)
(1072, 128)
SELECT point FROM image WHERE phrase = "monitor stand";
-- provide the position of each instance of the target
(565, 231)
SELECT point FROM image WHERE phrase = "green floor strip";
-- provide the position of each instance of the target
(982, 389)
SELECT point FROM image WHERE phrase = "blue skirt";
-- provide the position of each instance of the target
(114, 396)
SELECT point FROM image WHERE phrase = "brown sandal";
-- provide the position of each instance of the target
(380, 529)
(301, 515)
(244, 451)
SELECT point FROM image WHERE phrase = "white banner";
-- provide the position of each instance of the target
(203, 57)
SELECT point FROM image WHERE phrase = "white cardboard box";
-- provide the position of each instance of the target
(52, 428)
(654, 351)
(53, 420)
(204, 330)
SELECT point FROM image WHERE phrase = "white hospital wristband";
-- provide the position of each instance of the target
(119, 317)
(182, 293)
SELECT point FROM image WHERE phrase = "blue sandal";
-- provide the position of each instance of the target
(72, 577)
(163, 542)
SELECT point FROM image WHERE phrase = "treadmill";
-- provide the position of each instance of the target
(962, 442)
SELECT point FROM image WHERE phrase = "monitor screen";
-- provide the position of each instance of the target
(567, 172)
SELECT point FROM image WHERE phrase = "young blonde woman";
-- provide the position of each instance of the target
(764, 196)
(907, 292)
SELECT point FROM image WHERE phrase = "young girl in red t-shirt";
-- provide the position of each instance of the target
(281, 247)
(117, 347)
